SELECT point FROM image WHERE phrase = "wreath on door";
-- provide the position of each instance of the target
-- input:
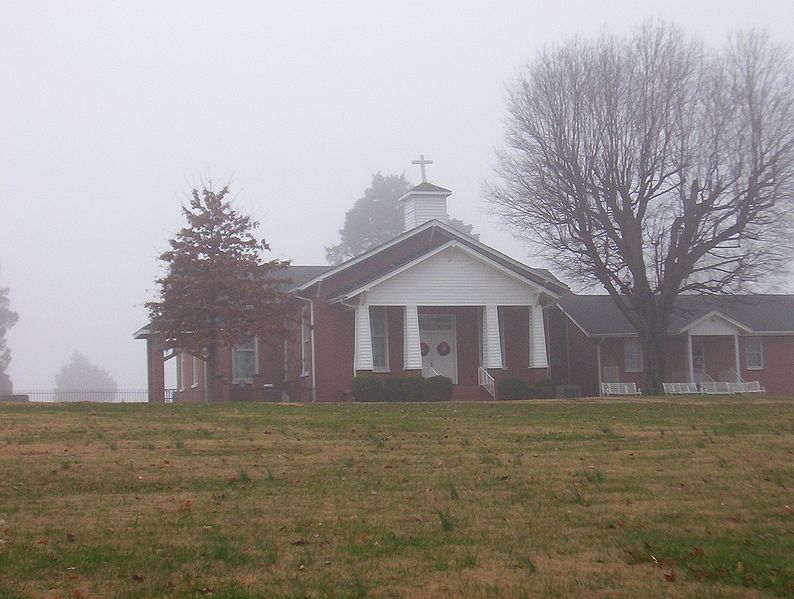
(425, 348)
(443, 348)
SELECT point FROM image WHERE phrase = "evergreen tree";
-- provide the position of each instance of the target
(218, 290)
(7, 320)
(80, 375)
(375, 218)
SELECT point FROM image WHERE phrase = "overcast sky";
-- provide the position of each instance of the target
(110, 112)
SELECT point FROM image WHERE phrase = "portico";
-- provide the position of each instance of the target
(454, 305)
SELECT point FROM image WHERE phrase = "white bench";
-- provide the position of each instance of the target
(716, 388)
(619, 389)
(680, 388)
(748, 387)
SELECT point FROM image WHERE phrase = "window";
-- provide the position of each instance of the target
(632, 352)
(196, 362)
(306, 339)
(244, 362)
(379, 331)
(754, 351)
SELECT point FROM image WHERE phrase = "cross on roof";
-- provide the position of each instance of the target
(422, 162)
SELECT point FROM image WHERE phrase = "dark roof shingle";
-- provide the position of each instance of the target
(599, 316)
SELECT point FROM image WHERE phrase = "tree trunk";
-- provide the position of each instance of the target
(653, 349)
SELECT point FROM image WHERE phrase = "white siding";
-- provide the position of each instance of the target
(493, 340)
(714, 325)
(363, 358)
(452, 278)
(537, 339)
(409, 214)
(412, 351)
(422, 208)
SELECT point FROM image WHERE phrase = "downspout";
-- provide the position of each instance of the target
(355, 334)
(568, 349)
(314, 353)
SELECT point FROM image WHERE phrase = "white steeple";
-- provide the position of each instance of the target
(423, 203)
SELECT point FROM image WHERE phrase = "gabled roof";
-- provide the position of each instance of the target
(396, 269)
(293, 276)
(599, 316)
(298, 275)
(541, 277)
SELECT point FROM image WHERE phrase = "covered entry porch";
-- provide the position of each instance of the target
(473, 346)
(453, 312)
(715, 348)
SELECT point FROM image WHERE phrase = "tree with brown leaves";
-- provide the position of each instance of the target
(654, 166)
(218, 290)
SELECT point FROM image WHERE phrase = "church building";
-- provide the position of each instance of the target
(435, 301)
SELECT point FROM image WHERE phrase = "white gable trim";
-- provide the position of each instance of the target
(449, 245)
(431, 223)
(718, 314)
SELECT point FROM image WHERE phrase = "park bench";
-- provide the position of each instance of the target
(747, 387)
(716, 388)
(619, 389)
(680, 388)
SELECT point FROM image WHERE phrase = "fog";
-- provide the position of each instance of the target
(111, 112)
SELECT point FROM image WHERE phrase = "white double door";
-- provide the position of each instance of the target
(439, 349)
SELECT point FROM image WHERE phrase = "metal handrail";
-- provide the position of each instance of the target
(433, 372)
(486, 381)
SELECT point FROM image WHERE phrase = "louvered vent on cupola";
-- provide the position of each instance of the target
(423, 203)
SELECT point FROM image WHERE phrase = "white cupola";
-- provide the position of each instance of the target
(423, 203)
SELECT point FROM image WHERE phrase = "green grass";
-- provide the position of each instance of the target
(689, 497)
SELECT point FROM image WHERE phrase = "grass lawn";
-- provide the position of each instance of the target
(641, 497)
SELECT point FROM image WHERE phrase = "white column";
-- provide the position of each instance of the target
(738, 365)
(689, 359)
(493, 340)
(363, 357)
(412, 350)
(537, 351)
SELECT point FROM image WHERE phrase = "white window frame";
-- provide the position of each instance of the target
(195, 372)
(747, 342)
(237, 380)
(306, 339)
(180, 374)
(379, 314)
(626, 352)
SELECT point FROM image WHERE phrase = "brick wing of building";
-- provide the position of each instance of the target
(437, 301)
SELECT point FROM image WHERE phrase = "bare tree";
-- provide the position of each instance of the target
(653, 165)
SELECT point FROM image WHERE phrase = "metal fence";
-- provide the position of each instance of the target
(76, 395)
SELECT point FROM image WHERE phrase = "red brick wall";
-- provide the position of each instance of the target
(582, 355)
(777, 375)
(334, 339)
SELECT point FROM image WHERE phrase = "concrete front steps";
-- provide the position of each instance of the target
(470, 393)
